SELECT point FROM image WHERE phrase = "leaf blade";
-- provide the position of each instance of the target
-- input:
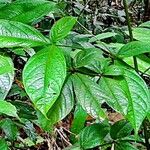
(16, 34)
(61, 28)
(89, 95)
(134, 48)
(43, 77)
(99, 131)
(6, 75)
(11, 109)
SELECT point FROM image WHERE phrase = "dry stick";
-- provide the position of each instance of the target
(63, 136)
(136, 67)
(68, 131)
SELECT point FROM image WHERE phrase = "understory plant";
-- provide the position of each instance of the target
(66, 72)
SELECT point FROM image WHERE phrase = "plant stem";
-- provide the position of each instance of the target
(136, 67)
(146, 136)
(130, 31)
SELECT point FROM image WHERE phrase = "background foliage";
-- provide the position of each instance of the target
(74, 74)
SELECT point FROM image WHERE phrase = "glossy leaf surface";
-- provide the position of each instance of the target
(93, 135)
(141, 34)
(9, 128)
(26, 11)
(6, 75)
(120, 129)
(61, 28)
(16, 34)
(124, 146)
(63, 105)
(60, 109)
(102, 36)
(89, 95)
(10, 111)
(43, 77)
(134, 48)
(129, 96)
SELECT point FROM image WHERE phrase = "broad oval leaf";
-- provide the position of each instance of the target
(9, 128)
(26, 11)
(138, 99)
(60, 109)
(93, 135)
(61, 28)
(129, 95)
(8, 109)
(89, 95)
(63, 105)
(15, 34)
(118, 99)
(78, 122)
(6, 75)
(87, 56)
(43, 77)
(134, 48)
(120, 129)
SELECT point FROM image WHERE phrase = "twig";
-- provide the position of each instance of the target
(146, 136)
(62, 136)
(145, 71)
(68, 131)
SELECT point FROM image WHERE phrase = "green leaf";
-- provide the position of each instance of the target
(117, 96)
(30, 131)
(43, 77)
(99, 65)
(124, 146)
(3, 144)
(63, 105)
(89, 95)
(61, 28)
(138, 99)
(143, 63)
(44, 122)
(15, 34)
(113, 70)
(78, 122)
(102, 36)
(60, 109)
(87, 56)
(145, 24)
(8, 109)
(120, 129)
(24, 110)
(141, 34)
(129, 95)
(134, 48)
(9, 128)
(6, 75)
(26, 11)
(93, 135)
